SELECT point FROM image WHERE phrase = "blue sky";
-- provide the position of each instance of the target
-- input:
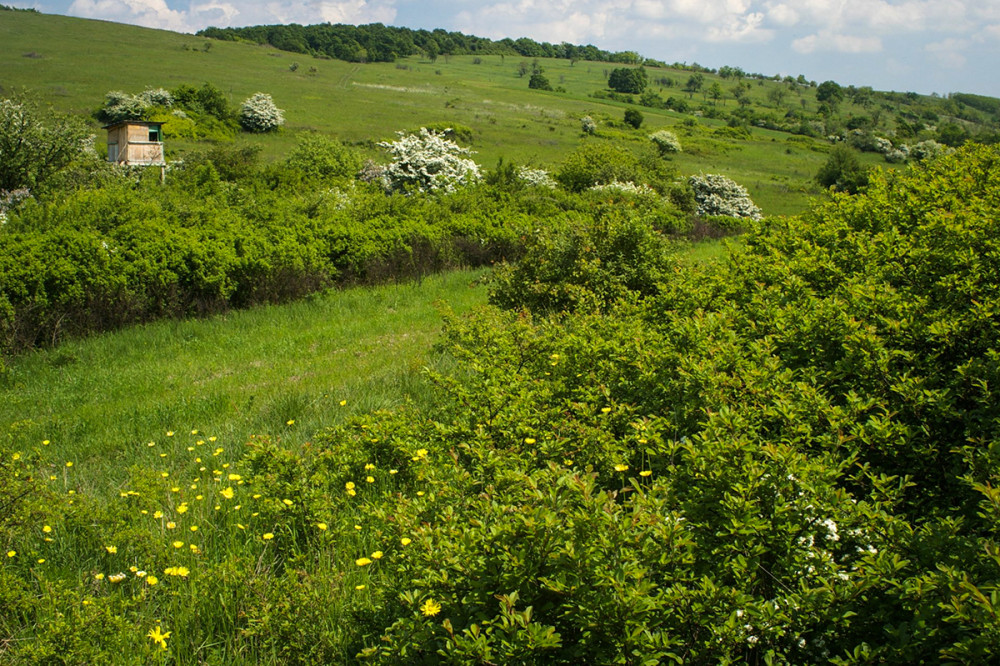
(905, 45)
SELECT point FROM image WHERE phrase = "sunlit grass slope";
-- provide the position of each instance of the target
(284, 371)
(73, 62)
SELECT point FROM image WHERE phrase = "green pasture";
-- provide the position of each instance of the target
(100, 402)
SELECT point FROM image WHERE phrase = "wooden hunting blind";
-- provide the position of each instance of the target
(135, 142)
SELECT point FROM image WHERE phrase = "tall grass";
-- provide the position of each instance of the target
(278, 370)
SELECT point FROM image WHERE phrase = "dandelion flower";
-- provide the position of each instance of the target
(362, 561)
(377, 555)
(212, 438)
(116, 578)
(11, 553)
(235, 477)
(645, 472)
(430, 608)
(359, 587)
(621, 468)
(45, 442)
(370, 479)
(268, 536)
(178, 544)
(194, 528)
(529, 440)
(288, 502)
(349, 485)
(343, 402)
(182, 508)
(177, 571)
(290, 422)
(164, 474)
(157, 514)
(69, 464)
(41, 561)
(227, 493)
(140, 574)
(159, 637)
(152, 580)
(321, 526)
(170, 433)
(171, 525)
(99, 576)
(406, 541)
(393, 471)
(46, 529)
(605, 410)
(369, 467)
(111, 549)
(194, 432)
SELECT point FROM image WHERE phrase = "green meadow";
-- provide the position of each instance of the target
(72, 63)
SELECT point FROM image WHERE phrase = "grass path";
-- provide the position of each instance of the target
(99, 402)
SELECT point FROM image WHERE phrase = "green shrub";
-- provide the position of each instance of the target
(597, 163)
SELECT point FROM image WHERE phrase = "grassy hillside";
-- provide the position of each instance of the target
(73, 62)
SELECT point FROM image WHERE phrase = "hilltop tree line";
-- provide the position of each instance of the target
(380, 43)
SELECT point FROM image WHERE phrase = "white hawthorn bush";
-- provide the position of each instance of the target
(427, 162)
(625, 187)
(536, 177)
(666, 142)
(260, 114)
(718, 195)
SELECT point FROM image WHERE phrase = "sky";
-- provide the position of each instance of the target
(924, 46)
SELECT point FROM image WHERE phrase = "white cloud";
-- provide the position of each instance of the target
(830, 41)
(149, 13)
(948, 52)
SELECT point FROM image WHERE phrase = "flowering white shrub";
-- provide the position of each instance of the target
(11, 199)
(536, 177)
(925, 150)
(666, 142)
(156, 97)
(120, 106)
(258, 113)
(718, 195)
(427, 162)
(371, 172)
(898, 155)
(588, 125)
(626, 187)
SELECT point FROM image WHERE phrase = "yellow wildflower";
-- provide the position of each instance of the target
(377, 555)
(430, 608)
(321, 526)
(227, 493)
(645, 472)
(406, 541)
(178, 544)
(621, 468)
(268, 536)
(152, 580)
(159, 637)
(362, 561)
(111, 549)
(46, 529)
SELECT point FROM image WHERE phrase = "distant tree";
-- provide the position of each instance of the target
(539, 81)
(715, 92)
(843, 171)
(522, 68)
(633, 117)
(694, 83)
(630, 80)
(829, 92)
(777, 95)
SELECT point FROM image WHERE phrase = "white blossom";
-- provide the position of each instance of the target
(536, 177)
(666, 142)
(719, 195)
(258, 113)
(428, 162)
